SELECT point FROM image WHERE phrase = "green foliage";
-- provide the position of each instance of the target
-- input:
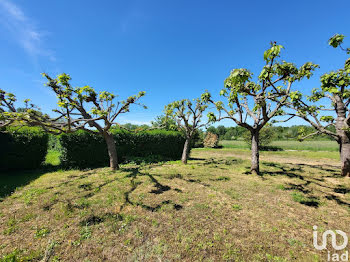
(130, 126)
(197, 139)
(279, 132)
(334, 87)
(164, 122)
(23, 148)
(70, 97)
(336, 40)
(84, 149)
(227, 133)
(186, 114)
(271, 93)
(266, 136)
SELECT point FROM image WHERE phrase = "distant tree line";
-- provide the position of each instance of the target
(275, 132)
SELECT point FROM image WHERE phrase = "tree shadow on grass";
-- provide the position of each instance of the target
(10, 180)
(134, 173)
(311, 184)
(281, 171)
(196, 158)
(271, 148)
(327, 168)
(217, 163)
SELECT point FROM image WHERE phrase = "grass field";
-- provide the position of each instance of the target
(323, 145)
(209, 210)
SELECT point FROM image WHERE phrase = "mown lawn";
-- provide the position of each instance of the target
(323, 145)
(209, 210)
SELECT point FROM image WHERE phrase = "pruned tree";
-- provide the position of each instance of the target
(187, 116)
(80, 108)
(327, 108)
(253, 104)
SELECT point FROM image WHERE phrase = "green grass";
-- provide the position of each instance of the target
(52, 158)
(324, 145)
(209, 210)
(286, 154)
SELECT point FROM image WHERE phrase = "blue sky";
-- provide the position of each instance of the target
(170, 49)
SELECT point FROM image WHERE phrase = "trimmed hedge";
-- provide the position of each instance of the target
(23, 148)
(83, 149)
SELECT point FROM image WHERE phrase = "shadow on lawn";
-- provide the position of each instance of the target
(310, 184)
(10, 180)
(216, 163)
(282, 170)
(159, 189)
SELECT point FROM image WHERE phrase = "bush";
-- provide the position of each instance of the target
(23, 148)
(83, 149)
(211, 140)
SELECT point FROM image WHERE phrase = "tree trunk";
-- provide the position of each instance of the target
(343, 136)
(186, 150)
(345, 158)
(255, 152)
(112, 151)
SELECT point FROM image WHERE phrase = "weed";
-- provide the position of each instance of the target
(85, 233)
(282, 187)
(42, 232)
(29, 195)
(12, 226)
(272, 258)
(236, 207)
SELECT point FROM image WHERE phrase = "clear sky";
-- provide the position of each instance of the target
(170, 49)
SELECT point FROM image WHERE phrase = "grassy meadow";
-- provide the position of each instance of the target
(308, 145)
(209, 210)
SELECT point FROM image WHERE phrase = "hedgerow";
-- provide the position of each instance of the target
(23, 148)
(84, 149)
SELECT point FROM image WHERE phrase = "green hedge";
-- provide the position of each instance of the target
(83, 149)
(23, 148)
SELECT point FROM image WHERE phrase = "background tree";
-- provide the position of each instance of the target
(313, 109)
(187, 116)
(80, 108)
(221, 131)
(266, 136)
(253, 104)
(164, 122)
(133, 127)
(212, 129)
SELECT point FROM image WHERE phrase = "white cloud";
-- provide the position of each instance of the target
(23, 30)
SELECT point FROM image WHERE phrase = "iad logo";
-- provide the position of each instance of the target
(332, 257)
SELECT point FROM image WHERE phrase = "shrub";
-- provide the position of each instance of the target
(211, 140)
(23, 148)
(83, 149)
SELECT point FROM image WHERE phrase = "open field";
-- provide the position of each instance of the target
(210, 210)
(323, 145)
